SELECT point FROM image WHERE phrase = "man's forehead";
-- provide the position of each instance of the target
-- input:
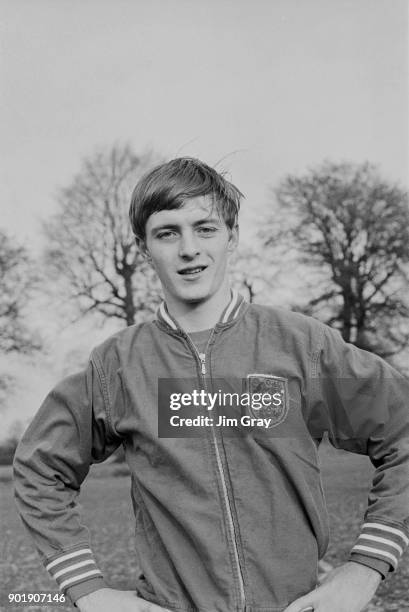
(192, 211)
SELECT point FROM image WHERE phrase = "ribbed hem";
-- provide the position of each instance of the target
(376, 564)
(381, 541)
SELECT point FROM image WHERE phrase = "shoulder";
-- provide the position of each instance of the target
(286, 319)
(122, 344)
(286, 328)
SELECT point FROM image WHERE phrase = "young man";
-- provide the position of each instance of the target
(223, 522)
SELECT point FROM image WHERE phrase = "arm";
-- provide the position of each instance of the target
(367, 405)
(348, 588)
(108, 600)
(362, 403)
(69, 433)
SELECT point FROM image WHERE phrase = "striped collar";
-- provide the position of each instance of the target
(229, 314)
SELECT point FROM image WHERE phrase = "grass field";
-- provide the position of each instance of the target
(107, 508)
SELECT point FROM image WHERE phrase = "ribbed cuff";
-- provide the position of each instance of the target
(381, 541)
(73, 569)
(376, 564)
(85, 588)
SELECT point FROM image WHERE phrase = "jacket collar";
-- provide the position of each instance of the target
(228, 315)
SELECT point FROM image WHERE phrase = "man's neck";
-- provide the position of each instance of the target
(202, 315)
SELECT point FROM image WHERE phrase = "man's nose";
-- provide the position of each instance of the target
(189, 246)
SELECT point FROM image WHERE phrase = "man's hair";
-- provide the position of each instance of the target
(167, 186)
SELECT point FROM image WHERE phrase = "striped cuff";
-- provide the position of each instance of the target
(73, 567)
(381, 541)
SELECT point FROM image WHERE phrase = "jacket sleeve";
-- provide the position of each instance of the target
(362, 402)
(71, 431)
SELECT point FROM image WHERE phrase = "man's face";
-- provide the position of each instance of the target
(189, 248)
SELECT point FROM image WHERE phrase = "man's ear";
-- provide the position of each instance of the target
(143, 249)
(233, 238)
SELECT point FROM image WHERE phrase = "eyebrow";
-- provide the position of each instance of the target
(175, 226)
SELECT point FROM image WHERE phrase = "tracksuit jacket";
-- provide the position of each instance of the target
(223, 522)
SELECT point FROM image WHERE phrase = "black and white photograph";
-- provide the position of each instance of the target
(204, 306)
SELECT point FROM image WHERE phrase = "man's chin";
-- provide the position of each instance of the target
(197, 297)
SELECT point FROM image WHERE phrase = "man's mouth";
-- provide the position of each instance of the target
(192, 270)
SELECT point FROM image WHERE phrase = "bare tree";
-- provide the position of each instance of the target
(91, 249)
(17, 280)
(252, 275)
(352, 226)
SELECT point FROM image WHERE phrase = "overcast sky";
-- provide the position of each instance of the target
(274, 85)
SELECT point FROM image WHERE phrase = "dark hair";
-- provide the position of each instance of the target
(167, 186)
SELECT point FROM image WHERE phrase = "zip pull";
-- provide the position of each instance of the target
(202, 357)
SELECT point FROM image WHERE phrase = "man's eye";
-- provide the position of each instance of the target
(164, 235)
(207, 229)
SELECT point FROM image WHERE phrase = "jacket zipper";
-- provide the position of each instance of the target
(202, 359)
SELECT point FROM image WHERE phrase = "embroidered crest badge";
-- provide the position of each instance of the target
(269, 397)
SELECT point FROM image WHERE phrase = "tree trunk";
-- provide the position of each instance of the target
(346, 315)
(129, 304)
